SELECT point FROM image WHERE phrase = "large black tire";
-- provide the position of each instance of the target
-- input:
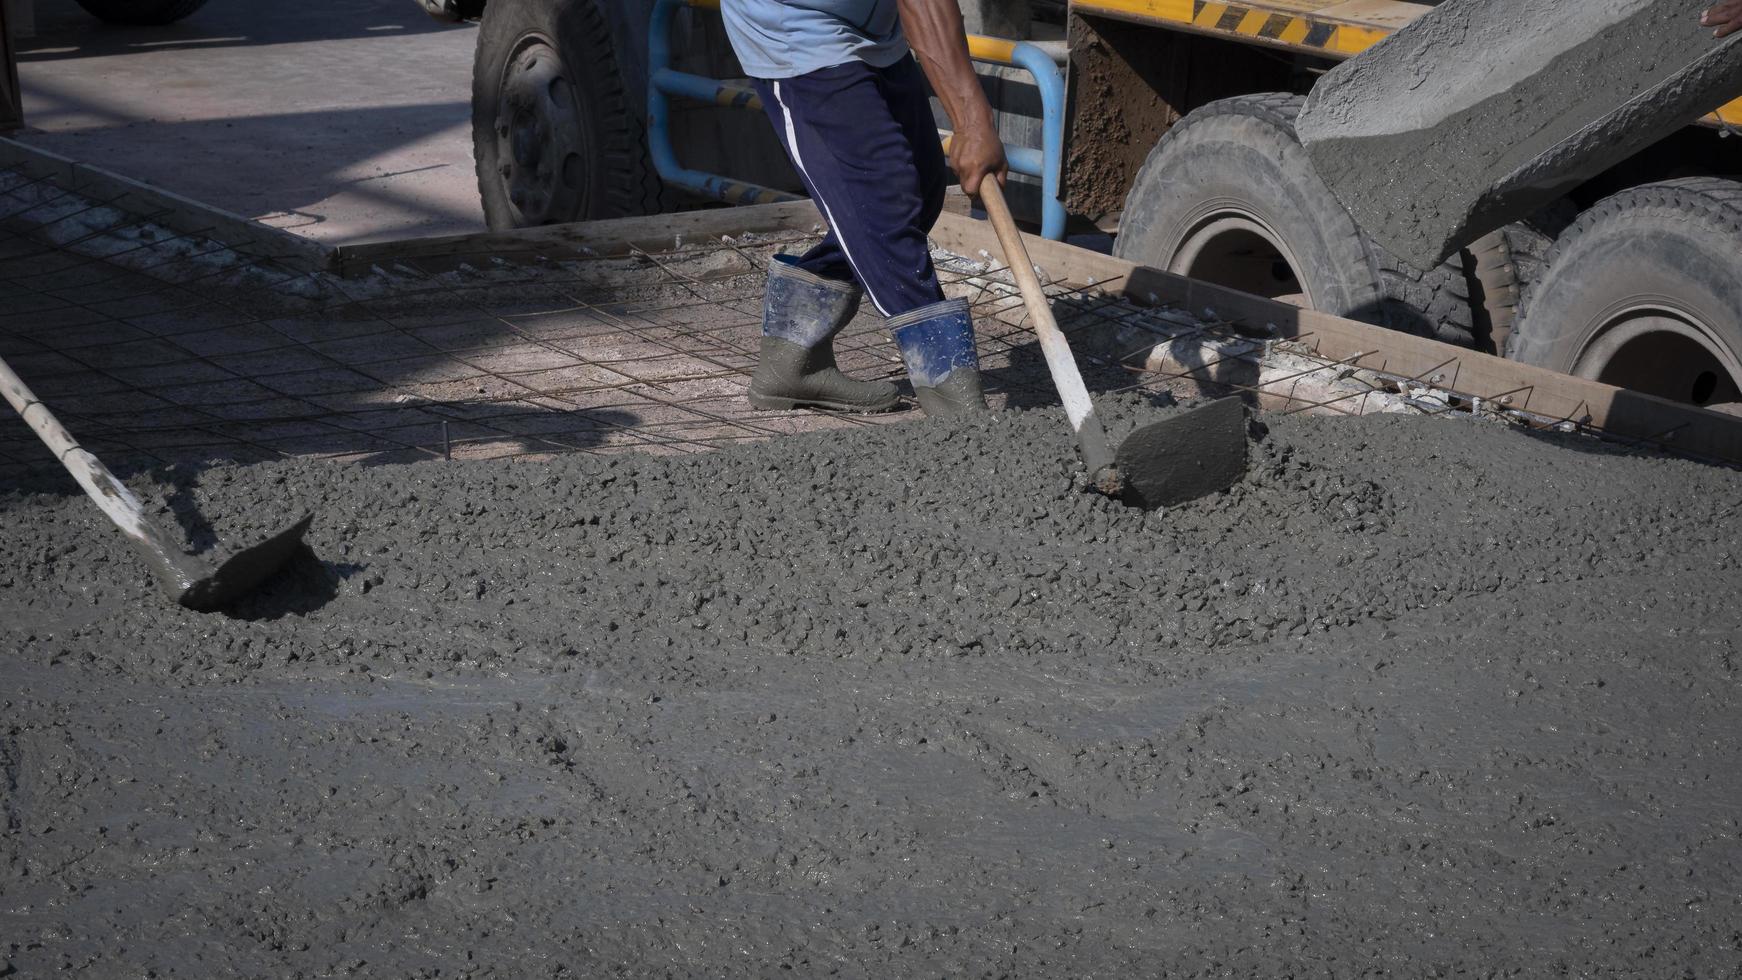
(1644, 291)
(1230, 196)
(140, 12)
(1505, 263)
(554, 135)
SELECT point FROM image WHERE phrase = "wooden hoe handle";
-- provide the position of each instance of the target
(1091, 436)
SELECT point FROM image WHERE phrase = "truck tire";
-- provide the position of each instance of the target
(140, 12)
(1504, 263)
(1644, 291)
(554, 135)
(1229, 196)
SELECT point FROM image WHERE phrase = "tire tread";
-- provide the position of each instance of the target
(1436, 303)
(631, 185)
(1713, 201)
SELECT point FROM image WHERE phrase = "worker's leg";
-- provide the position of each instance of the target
(910, 103)
(801, 313)
(865, 144)
(907, 99)
(849, 131)
(936, 340)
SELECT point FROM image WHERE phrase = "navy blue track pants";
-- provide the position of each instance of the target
(866, 145)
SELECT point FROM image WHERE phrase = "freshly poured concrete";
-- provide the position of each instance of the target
(1415, 698)
(1482, 111)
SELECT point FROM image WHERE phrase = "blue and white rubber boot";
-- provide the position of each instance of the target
(801, 314)
(937, 345)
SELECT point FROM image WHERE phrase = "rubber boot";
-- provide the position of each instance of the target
(937, 345)
(801, 314)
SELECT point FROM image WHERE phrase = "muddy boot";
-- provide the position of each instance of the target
(937, 345)
(801, 314)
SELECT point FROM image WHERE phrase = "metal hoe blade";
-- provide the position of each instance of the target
(188, 580)
(238, 574)
(1198, 452)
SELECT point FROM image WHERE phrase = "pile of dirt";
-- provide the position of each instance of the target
(1418, 697)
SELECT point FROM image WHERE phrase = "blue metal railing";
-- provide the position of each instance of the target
(666, 83)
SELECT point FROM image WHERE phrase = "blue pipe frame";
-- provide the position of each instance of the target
(1051, 83)
(665, 83)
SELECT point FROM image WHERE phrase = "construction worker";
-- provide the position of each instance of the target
(848, 99)
(1724, 17)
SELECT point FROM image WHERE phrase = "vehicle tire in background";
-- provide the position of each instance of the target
(1644, 291)
(1229, 196)
(1504, 263)
(141, 12)
(555, 136)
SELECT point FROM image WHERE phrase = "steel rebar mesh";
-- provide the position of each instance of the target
(156, 346)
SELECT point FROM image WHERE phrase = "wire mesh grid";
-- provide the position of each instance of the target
(156, 346)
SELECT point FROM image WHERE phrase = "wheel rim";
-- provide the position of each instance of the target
(1665, 351)
(1233, 247)
(541, 138)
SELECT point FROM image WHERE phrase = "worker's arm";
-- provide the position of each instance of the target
(934, 31)
(1724, 16)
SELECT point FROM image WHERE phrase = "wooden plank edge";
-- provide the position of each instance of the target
(605, 237)
(1196, 364)
(167, 208)
(1549, 394)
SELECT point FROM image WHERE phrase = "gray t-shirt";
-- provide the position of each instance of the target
(783, 38)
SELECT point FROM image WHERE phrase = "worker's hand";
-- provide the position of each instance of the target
(975, 154)
(1725, 17)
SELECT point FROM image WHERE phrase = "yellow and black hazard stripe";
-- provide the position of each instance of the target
(1287, 28)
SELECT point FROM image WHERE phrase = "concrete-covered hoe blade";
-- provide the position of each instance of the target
(238, 574)
(1197, 452)
(187, 579)
(1193, 454)
(1483, 111)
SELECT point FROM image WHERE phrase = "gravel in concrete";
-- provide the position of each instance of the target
(1416, 698)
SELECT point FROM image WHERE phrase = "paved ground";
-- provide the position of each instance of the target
(347, 120)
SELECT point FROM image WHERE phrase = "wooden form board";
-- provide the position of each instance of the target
(1544, 393)
(166, 208)
(616, 236)
(612, 236)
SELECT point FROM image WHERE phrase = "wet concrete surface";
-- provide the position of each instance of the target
(1416, 698)
(1483, 111)
(345, 122)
